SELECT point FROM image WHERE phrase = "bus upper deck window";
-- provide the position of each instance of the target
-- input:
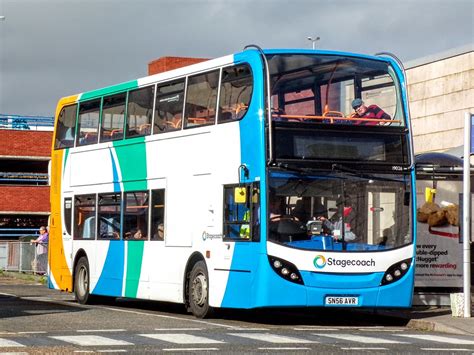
(236, 91)
(140, 111)
(113, 114)
(201, 99)
(169, 107)
(89, 113)
(66, 127)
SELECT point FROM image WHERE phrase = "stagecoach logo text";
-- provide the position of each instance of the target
(206, 236)
(320, 262)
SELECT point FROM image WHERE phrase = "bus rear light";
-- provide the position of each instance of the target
(285, 269)
(395, 272)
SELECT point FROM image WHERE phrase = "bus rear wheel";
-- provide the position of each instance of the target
(81, 281)
(198, 291)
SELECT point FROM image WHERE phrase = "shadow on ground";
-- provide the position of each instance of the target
(275, 316)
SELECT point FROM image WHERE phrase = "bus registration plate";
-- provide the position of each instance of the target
(341, 301)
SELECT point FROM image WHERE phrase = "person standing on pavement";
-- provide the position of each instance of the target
(41, 250)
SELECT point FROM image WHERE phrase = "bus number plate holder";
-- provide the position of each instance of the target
(341, 301)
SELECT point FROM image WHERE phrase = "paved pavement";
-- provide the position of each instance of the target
(438, 319)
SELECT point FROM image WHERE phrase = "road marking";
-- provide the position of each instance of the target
(256, 329)
(180, 338)
(271, 338)
(191, 349)
(438, 338)
(35, 332)
(112, 351)
(445, 349)
(363, 349)
(100, 330)
(67, 303)
(316, 328)
(7, 343)
(360, 339)
(90, 340)
(177, 329)
(284, 349)
(169, 317)
(381, 330)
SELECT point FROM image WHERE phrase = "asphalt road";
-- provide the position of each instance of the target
(34, 319)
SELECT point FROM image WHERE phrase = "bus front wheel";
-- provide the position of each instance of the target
(81, 281)
(198, 291)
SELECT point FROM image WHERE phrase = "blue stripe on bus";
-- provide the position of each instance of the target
(111, 278)
(114, 172)
(50, 282)
(239, 291)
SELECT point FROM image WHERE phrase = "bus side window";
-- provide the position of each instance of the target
(140, 111)
(89, 113)
(109, 216)
(241, 212)
(158, 214)
(201, 99)
(66, 127)
(67, 214)
(236, 91)
(84, 217)
(135, 215)
(113, 114)
(169, 107)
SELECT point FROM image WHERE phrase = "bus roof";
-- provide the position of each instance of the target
(206, 65)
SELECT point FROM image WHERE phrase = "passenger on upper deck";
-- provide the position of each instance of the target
(372, 111)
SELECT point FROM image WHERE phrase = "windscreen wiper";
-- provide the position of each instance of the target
(294, 169)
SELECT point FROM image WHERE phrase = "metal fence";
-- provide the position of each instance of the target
(36, 123)
(23, 257)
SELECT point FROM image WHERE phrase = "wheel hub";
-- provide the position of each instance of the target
(199, 291)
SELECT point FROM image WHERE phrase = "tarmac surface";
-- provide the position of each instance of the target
(425, 318)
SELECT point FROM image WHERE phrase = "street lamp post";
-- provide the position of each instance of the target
(314, 40)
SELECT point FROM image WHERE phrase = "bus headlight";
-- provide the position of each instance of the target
(395, 272)
(285, 269)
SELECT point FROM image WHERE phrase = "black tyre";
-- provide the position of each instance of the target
(81, 281)
(198, 291)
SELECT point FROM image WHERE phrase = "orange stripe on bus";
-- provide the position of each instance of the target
(57, 259)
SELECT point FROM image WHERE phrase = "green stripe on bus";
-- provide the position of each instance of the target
(132, 163)
(134, 267)
(66, 155)
(109, 90)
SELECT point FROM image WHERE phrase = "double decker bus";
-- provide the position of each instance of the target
(240, 182)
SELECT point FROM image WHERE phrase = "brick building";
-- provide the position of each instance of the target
(163, 64)
(25, 151)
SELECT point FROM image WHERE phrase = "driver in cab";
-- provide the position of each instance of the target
(336, 227)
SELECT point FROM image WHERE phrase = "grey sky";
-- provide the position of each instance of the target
(53, 48)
